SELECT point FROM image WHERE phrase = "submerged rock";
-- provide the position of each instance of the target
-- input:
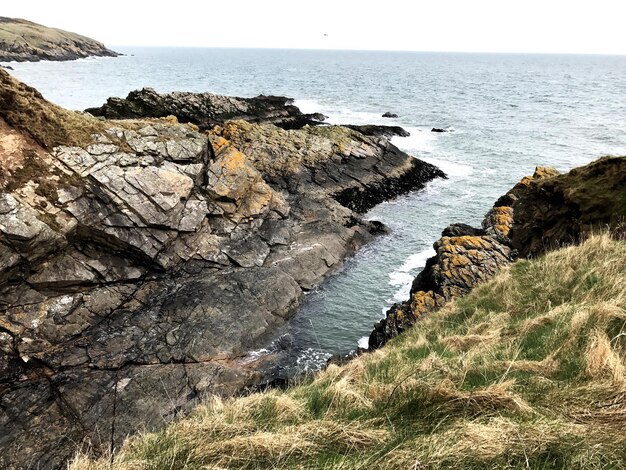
(390, 115)
(141, 263)
(438, 129)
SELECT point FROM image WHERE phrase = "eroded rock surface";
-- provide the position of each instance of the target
(138, 270)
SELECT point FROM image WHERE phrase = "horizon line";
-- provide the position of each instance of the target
(616, 54)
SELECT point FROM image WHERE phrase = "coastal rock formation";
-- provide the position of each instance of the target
(381, 131)
(206, 109)
(542, 212)
(389, 114)
(141, 261)
(25, 41)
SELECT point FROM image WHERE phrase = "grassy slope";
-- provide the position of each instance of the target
(526, 371)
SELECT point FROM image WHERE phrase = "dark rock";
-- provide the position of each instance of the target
(380, 131)
(6, 67)
(390, 115)
(553, 210)
(438, 129)
(459, 230)
(207, 109)
(360, 198)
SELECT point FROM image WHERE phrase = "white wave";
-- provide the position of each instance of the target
(450, 168)
(312, 360)
(308, 106)
(364, 342)
(404, 275)
(348, 116)
(420, 140)
(340, 115)
(254, 355)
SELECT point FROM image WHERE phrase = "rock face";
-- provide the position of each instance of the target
(206, 109)
(24, 41)
(140, 266)
(542, 212)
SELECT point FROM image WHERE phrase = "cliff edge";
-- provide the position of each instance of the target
(25, 41)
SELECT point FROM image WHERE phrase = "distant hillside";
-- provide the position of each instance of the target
(25, 41)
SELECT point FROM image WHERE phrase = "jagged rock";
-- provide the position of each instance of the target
(390, 115)
(458, 230)
(381, 131)
(25, 41)
(141, 261)
(206, 109)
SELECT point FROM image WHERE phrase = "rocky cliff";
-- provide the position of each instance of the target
(542, 212)
(141, 260)
(25, 41)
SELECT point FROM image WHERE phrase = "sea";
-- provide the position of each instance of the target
(504, 115)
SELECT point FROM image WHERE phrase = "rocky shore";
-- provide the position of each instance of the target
(25, 41)
(142, 259)
(542, 212)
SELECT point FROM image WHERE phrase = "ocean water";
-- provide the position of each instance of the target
(506, 114)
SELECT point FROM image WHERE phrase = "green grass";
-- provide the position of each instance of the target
(527, 371)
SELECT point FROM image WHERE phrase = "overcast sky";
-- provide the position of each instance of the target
(572, 26)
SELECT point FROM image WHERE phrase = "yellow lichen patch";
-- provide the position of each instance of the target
(545, 172)
(218, 143)
(500, 219)
(469, 242)
(170, 119)
(424, 302)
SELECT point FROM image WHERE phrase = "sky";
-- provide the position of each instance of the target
(545, 26)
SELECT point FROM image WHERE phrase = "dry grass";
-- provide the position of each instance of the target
(23, 108)
(528, 371)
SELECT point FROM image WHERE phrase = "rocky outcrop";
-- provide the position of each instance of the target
(389, 114)
(141, 261)
(542, 212)
(563, 209)
(381, 131)
(206, 109)
(25, 41)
